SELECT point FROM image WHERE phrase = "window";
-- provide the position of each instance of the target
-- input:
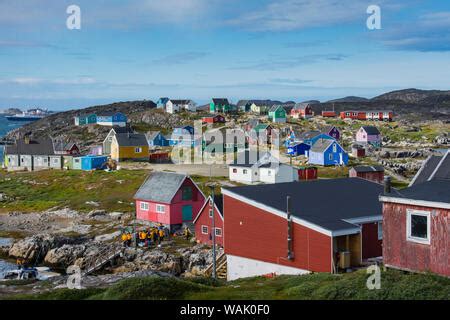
(234, 170)
(144, 206)
(269, 172)
(244, 171)
(334, 148)
(380, 230)
(330, 156)
(187, 193)
(205, 230)
(55, 161)
(160, 208)
(138, 150)
(210, 213)
(418, 226)
(218, 232)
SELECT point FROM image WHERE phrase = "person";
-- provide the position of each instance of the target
(129, 238)
(187, 233)
(161, 235)
(124, 238)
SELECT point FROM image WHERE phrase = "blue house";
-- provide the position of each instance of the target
(112, 119)
(327, 152)
(156, 139)
(298, 149)
(183, 136)
(93, 162)
(308, 137)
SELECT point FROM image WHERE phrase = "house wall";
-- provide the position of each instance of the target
(316, 158)
(253, 233)
(55, 162)
(371, 176)
(151, 214)
(282, 174)
(371, 246)
(401, 253)
(129, 153)
(40, 162)
(239, 176)
(205, 220)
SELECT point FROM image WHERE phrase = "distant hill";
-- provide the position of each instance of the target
(414, 96)
(349, 99)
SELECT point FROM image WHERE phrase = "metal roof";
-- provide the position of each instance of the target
(160, 187)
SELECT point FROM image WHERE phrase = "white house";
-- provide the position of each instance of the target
(250, 167)
(173, 106)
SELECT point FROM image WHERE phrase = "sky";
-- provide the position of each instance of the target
(198, 49)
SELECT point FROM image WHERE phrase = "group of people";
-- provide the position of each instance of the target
(154, 235)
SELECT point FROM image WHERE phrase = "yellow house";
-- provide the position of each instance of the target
(129, 146)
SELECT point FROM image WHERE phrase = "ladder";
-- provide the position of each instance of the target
(221, 267)
(102, 258)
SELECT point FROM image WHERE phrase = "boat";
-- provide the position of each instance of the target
(38, 273)
(29, 115)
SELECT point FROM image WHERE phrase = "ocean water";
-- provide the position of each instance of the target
(5, 266)
(5, 127)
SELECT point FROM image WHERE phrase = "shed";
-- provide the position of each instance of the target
(93, 162)
(307, 173)
(76, 163)
(371, 173)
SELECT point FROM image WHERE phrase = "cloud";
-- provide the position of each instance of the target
(428, 33)
(180, 58)
(286, 15)
(278, 62)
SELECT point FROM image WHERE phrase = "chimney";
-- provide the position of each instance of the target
(387, 185)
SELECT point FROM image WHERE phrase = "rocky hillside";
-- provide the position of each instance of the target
(413, 96)
(142, 115)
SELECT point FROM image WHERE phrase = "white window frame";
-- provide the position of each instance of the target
(409, 237)
(205, 228)
(380, 230)
(210, 213)
(138, 150)
(160, 208)
(245, 171)
(144, 206)
(218, 235)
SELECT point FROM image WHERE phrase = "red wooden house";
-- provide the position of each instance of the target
(335, 223)
(168, 198)
(368, 115)
(372, 173)
(213, 119)
(416, 222)
(204, 222)
(302, 111)
(329, 114)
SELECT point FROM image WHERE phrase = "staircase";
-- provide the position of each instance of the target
(221, 267)
(102, 258)
(190, 226)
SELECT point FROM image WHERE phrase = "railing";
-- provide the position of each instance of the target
(220, 260)
(99, 260)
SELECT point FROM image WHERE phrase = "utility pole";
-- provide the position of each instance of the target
(211, 204)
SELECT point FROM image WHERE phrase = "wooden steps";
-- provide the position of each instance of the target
(221, 267)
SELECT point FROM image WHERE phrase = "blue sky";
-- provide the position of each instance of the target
(198, 49)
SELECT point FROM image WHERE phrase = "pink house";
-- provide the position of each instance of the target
(369, 135)
(168, 198)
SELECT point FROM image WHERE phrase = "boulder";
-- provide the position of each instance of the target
(64, 256)
(35, 248)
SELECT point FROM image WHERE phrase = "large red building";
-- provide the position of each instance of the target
(336, 223)
(204, 222)
(367, 115)
(168, 198)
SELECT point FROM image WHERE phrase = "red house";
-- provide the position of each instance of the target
(416, 221)
(302, 110)
(416, 228)
(168, 198)
(334, 223)
(371, 173)
(329, 114)
(204, 222)
(213, 119)
(367, 115)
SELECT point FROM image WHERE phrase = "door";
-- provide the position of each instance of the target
(187, 213)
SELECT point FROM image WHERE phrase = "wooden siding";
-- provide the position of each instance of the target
(205, 220)
(253, 233)
(400, 253)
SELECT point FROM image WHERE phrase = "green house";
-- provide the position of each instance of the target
(85, 119)
(221, 105)
(277, 114)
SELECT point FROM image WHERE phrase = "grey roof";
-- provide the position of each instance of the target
(247, 158)
(220, 101)
(43, 146)
(435, 167)
(371, 130)
(131, 139)
(436, 190)
(326, 203)
(321, 145)
(126, 129)
(181, 101)
(308, 135)
(369, 168)
(327, 129)
(62, 146)
(242, 103)
(160, 187)
(275, 107)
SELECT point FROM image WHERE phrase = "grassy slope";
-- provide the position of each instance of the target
(394, 285)
(39, 191)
